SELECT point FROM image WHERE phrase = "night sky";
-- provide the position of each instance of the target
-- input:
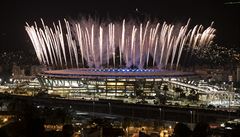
(14, 14)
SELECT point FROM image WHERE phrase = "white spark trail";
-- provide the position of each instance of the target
(94, 44)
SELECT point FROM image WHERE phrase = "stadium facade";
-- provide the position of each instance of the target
(106, 82)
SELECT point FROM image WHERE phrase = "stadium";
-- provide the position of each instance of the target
(109, 82)
(113, 59)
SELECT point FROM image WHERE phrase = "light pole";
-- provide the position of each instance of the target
(109, 106)
(93, 108)
(160, 111)
(230, 99)
(191, 116)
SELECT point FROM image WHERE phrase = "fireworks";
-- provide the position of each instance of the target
(87, 43)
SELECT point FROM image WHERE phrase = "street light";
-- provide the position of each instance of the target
(160, 112)
(93, 108)
(109, 106)
(191, 116)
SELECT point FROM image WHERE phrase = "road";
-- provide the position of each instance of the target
(161, 112)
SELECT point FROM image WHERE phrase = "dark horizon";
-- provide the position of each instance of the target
(15, 14)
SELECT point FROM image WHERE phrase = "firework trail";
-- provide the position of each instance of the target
(87, 43)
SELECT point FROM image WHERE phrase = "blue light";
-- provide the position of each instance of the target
(125, 70)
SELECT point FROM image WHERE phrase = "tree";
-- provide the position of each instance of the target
(192, 91)
(157, 88)
(179, 91)
(162, 99)
(201, 130)
(139, 92)
(165, 89)
(1, 105)
(68, 130)
(193, 96)
(182, 130)
(139, 89)
(182, 95)
(125, 124)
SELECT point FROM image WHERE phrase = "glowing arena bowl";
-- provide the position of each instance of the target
(113, 73)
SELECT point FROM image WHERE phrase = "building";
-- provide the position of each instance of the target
(238, 73)
(17, 71)
(109, 82)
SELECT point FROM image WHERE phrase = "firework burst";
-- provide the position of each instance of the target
(88, 43)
